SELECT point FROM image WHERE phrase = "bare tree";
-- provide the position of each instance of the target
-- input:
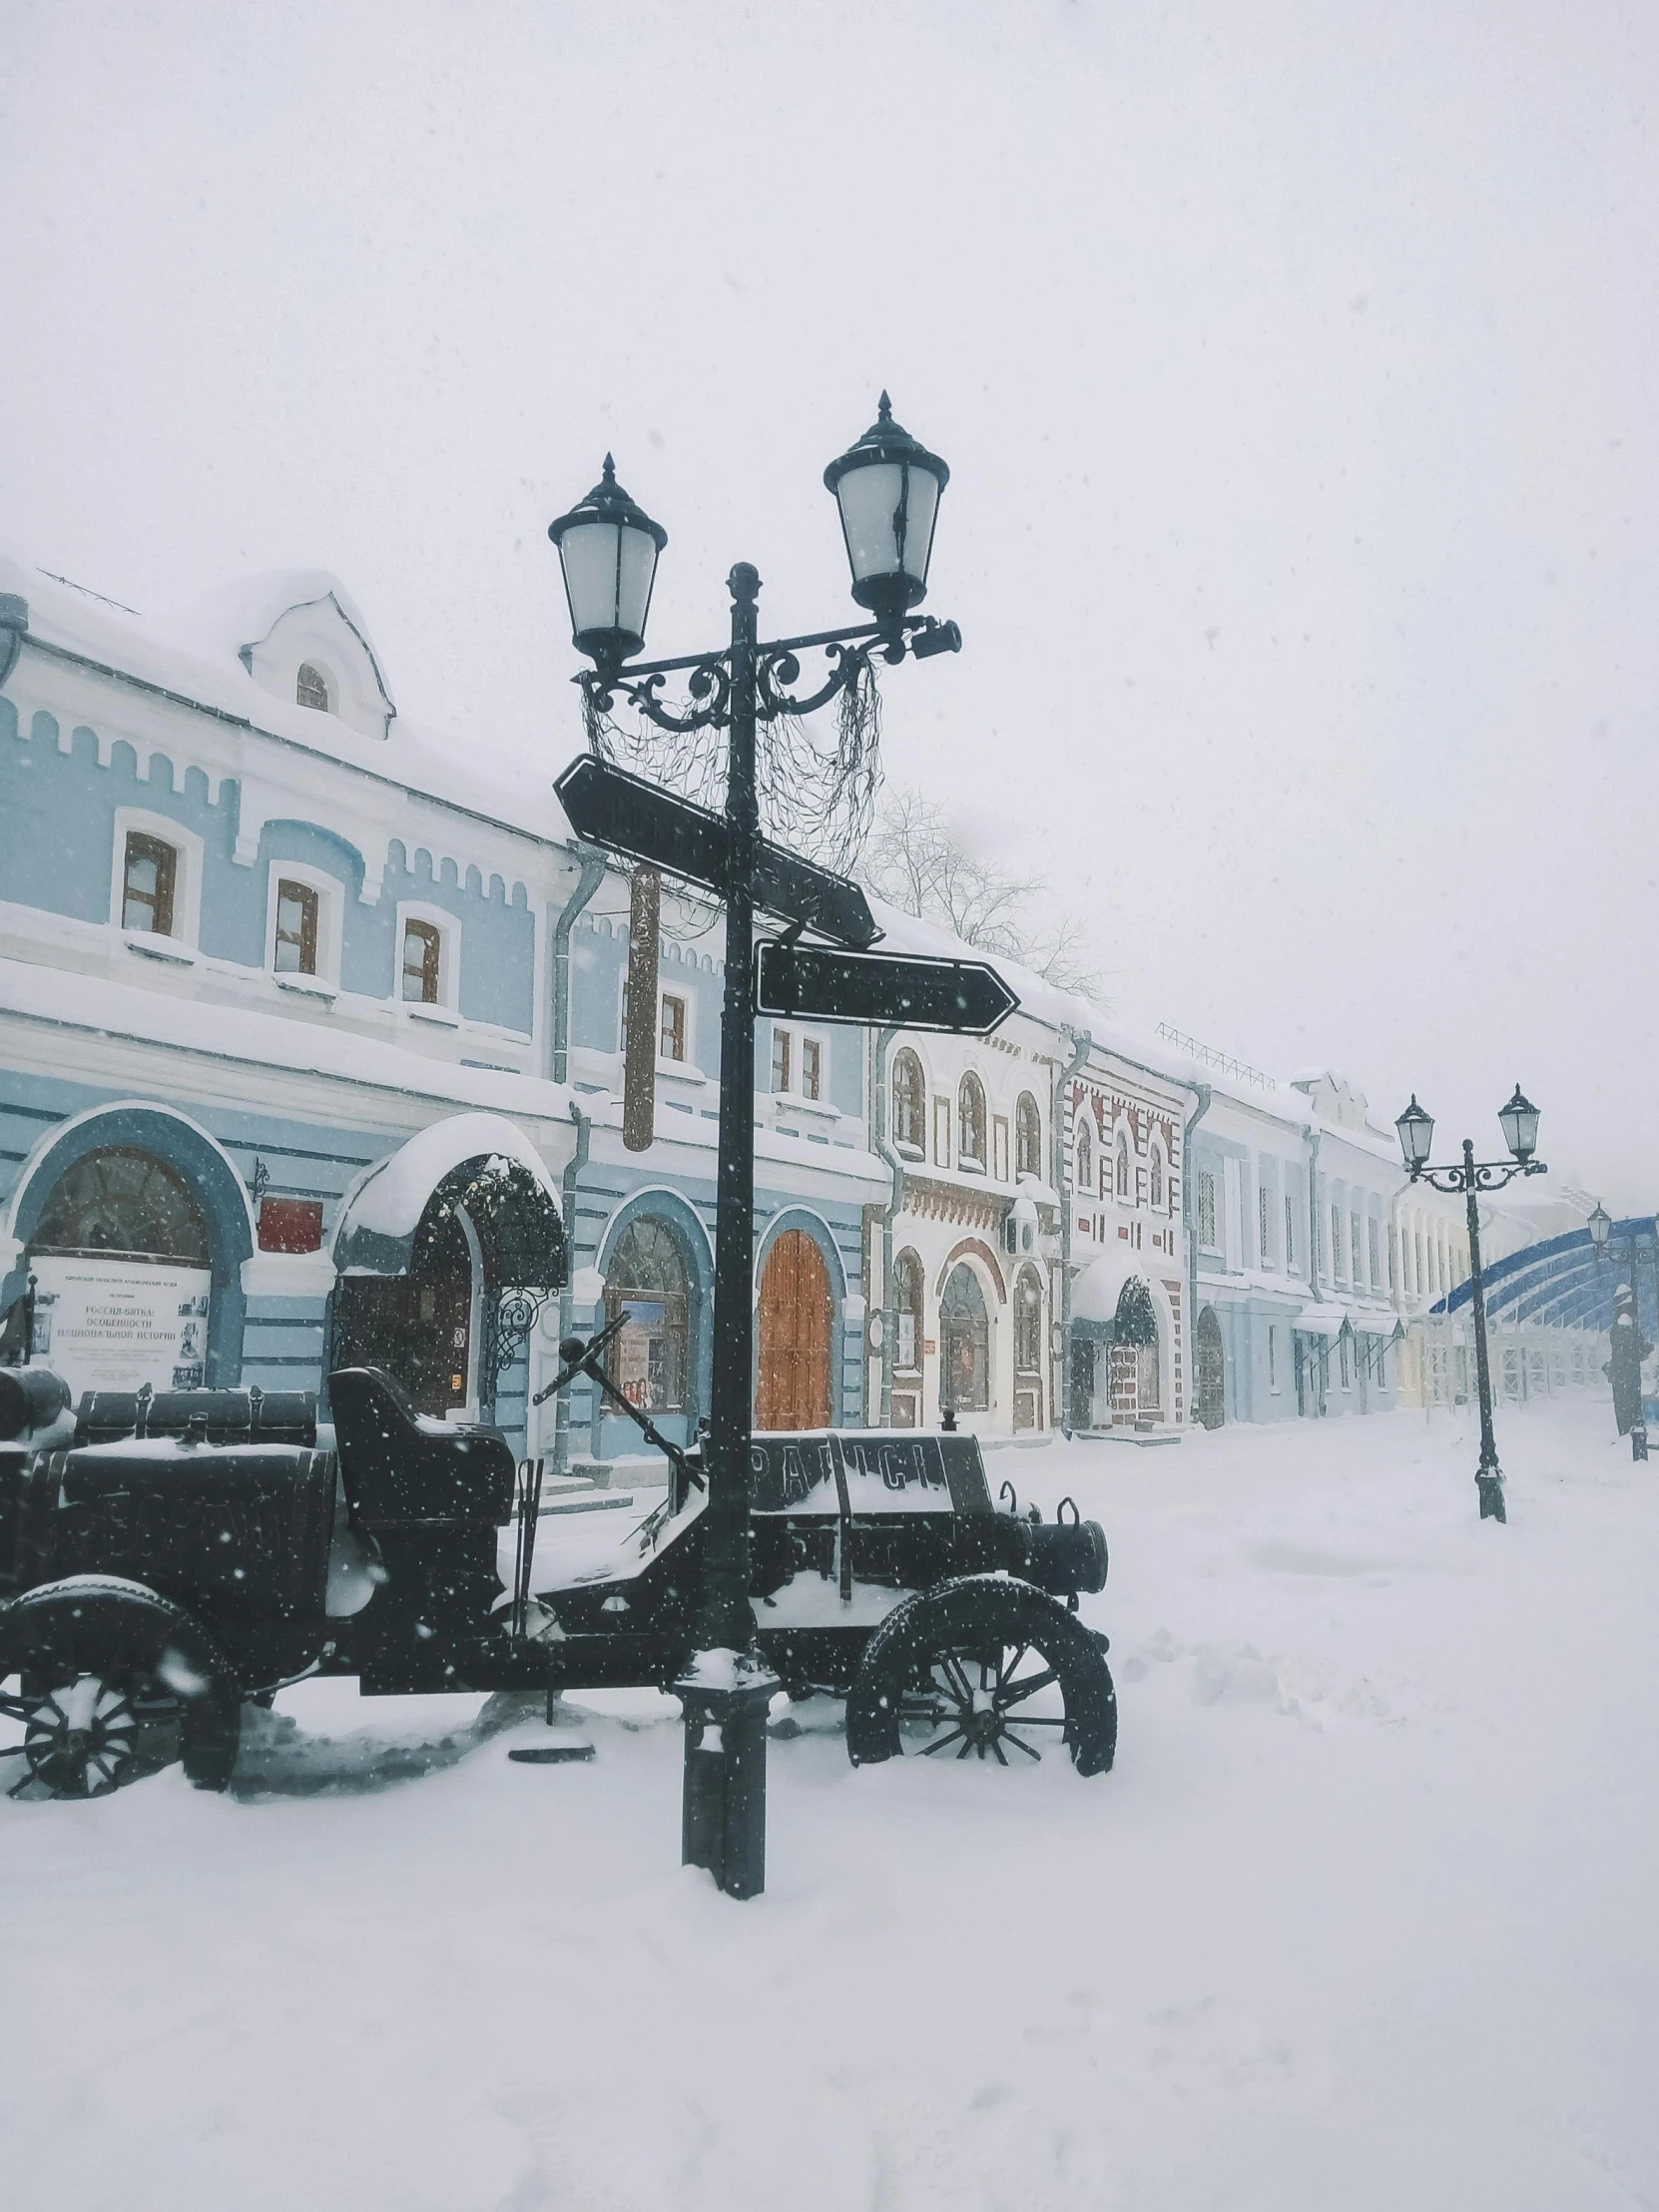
(917, 860)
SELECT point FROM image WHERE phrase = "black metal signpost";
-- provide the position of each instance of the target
(964, 998)
(887, 488)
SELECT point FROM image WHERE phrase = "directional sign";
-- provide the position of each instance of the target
(963, 997)
(611, 808)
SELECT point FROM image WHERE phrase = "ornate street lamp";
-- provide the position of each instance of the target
(887, 489)
(1519, 1123)
(608, 550)
(1627, 1352)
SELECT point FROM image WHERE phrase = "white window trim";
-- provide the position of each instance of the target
(185, 936)
(447, 1006)
(331, 907)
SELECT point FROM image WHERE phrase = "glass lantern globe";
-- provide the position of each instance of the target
(608, 550)
(1417, 1135)
(887, 488)
(1519, 1123)
(1601, 1226)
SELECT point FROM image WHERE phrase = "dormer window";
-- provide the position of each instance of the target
(311, 687)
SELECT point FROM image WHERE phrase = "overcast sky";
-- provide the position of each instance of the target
(1295, 367)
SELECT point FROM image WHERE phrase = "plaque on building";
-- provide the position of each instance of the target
(114, 1324)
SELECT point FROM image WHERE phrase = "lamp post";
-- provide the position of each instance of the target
(1624, 1365)
(1519, 1122)
(887, 488)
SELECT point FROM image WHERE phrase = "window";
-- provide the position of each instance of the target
(1376, 1254)
(1123, 1165)
(646, 1289)
(1342, 1357)
(1082, 1162)
(148, 879)
(1273, 1356)
(811, 1068)
(909, 1101)
(1264, 1223)
(1029, 1322)
(1290, 1230)
(1417, 1253)
(1393, 1257)
(906, 1292)
(295, 948)
(1205, 1208)
(780, 1058)
(422, 943)
(1028, 1137)
(1356, 1252)
(311, 687)
(123, 1201)
(964, 1342)
(1336, 1242)
(1157, 1180)
(971, 1123)
(671, 1028)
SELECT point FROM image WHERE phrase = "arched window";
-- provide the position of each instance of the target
(964, 1344)
(970, 1122)
(1123, 1165)
(310, 686)
(909, 1101)
(1155, 1180)
(1028, 1136)
(1028, 1321)
(906, 1293)
(123, 1202)
(647, 1288)
(1082, 1159)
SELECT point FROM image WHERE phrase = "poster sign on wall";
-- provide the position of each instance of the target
(114, 1324)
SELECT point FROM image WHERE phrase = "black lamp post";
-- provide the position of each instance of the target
(1601, 1226)
(887, 488)
(1519, 1122)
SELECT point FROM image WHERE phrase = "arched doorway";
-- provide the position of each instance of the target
(123, 1273)
(1210, 1395)
(793, 1390)
(1136, 1356)
(964, 1342)
(418, 1326)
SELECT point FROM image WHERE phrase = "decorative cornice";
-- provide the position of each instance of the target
(953, 1203)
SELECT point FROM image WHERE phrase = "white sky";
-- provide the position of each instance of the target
(1295, 366)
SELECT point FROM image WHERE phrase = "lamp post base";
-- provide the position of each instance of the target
(1638, 1440)
(1489, 1483)
(726, 1694)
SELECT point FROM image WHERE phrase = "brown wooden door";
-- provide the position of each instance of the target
(793, 1389)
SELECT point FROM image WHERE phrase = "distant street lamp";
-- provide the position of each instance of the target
(1626, 1353)
(887, 489)
(1519, 1123)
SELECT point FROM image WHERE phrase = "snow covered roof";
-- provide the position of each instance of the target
(194, 655)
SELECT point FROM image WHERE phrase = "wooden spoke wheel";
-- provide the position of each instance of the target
(87, 1734)
(111, 1682)
(983, 1667)
(984, 1703)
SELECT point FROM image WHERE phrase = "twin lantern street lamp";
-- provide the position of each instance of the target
(1519, 1122)
(887, 488)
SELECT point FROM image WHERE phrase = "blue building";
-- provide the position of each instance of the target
(312, 1046)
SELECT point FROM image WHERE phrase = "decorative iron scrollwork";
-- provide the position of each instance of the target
(508, 1322)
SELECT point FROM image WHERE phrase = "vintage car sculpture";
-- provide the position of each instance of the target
(166, 1557)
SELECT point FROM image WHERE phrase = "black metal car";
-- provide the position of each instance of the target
(165, 1557)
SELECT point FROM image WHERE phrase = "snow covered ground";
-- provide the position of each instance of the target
(1364, 1919)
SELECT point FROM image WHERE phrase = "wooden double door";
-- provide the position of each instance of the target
(793, 1386)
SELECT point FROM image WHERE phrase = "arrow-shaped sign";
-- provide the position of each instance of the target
(963, 997)
(610, 807)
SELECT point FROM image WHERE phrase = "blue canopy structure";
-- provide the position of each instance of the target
(1565, 1283)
